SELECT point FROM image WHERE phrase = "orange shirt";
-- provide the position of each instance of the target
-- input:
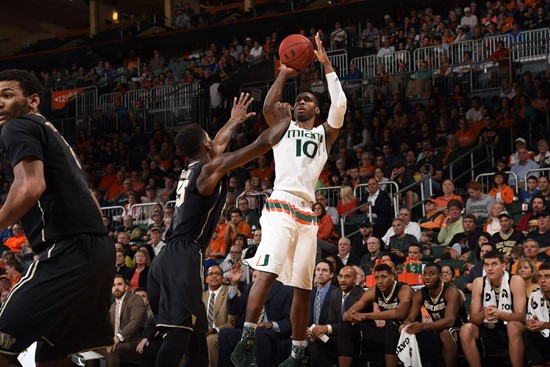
(266, 173)
(242, 228)
(114, 191)
(326, 227)
(466, 138)
(216, 246)
(342, 208)
(442, 201)
(15, 243)
(106, 182)
(15, 280)
(507, 193)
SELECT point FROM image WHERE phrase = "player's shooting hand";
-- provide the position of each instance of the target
(240, 106)
(320, 53)
(283, 111)
(288, 72)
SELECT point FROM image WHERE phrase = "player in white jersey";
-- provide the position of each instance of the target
(289, 226)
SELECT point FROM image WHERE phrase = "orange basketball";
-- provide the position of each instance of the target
(296, 51)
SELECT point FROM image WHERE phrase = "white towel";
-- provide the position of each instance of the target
(505, 297)
(407, 350)
(537, 308)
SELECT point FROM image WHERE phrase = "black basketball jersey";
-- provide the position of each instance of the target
(390, 301)
(436, 307)
(195, 215)
(66, 208)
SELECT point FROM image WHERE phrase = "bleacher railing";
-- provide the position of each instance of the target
(142, 212)
(485, 180)
(331, 193)
(391, 187)
(483, 152)
(114, 213)
(256, 200)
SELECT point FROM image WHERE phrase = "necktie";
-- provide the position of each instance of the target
(344, 298)
(262, 315)
(210, 315)
(318, 304)
(117, 317)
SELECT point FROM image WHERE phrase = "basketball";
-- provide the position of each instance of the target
(296, 51)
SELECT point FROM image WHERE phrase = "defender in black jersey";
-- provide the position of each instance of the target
(495, 327)
(63, 299)
(446, 308)
(394, 301)
(175, 278)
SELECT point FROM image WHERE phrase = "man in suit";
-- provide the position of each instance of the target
(326, 354)
(345, 254)
(273, 331)
(324, 271)
(215, 301)
(380, 206)
(128, 317)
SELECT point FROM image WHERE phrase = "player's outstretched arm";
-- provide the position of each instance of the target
(28, 185)
(338, 100)
(214, 170)
(275, 93)
(238, 116)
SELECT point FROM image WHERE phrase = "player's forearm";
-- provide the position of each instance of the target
(444, 323)
(477, 318)
(327, 66)
(274, 95)
(357, 306)
(512, 316)
(21, 198)
(224, 135)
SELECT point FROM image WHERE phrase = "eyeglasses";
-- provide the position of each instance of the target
(447, 272)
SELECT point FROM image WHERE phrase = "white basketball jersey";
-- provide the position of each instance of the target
(300, 156)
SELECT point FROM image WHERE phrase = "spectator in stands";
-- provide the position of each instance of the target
(492, 224)
(338, 37)
(157, 62)
(14, 270)
(369, 37)
(468, 19)
(128, 317)
(479, 204)
(507, 238)
(142, 261)
(325, 231)
(528, 221)
(249, 215)
(116, 188)
(5, 283)
(18, 240)
(379, 204)
(448, 188)
(120, 265)
(345, 254)
(411, 228)
(237, 226)
(465, 135)
(332, 211)
(531, 251)
(156, 241)
(530, 190)
(398, 244)
(452, 224)
(264, 171)
(415, 252)
(501, 192)
(520, 143)
(543, 158)
(253, 246)
(432, 221)
(430, 166)
(347, 201)
(128, 226)
(542, 233)
(528, 272)
(522, 167)
(462, 243)
(374, 252)
(544, 187)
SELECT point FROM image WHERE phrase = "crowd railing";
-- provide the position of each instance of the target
(485, 180)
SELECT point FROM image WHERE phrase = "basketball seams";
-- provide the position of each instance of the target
(298, 61)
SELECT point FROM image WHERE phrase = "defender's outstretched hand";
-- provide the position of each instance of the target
(240, 106)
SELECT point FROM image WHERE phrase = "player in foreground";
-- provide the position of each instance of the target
(57, 303)
(175, 280)
(289, 240)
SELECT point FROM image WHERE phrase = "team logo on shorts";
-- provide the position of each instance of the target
(265, 262)
(6, 341)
